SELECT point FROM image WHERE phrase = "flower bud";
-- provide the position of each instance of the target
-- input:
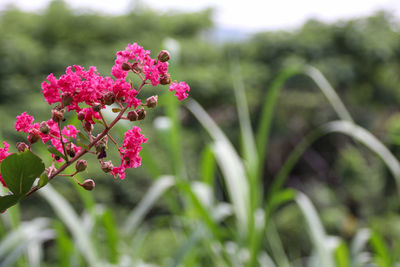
(141, 114)
(97, 107)
(44, 127)
(33, 136)
(70, 151)
(107, 166)
(163, 56)
(88, 184)
(165, 79)
(21, 146)
(88, 126)
(81, 115)
(151, 102)
(57, 115)
(100, 146)
(126, 66)
(132, 116)
(81, 165)
(66, 99)
(135, 66)
(109, 98)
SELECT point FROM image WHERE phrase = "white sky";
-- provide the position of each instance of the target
(249, 15)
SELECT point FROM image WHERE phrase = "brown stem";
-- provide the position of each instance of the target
(115, 142)
(102, 118)
(82, 152)
(62, 142)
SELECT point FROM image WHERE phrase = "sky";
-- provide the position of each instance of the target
(245, 15)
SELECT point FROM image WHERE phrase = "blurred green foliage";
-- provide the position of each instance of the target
(360, 57)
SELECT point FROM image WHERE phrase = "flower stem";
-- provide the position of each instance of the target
(83, 151)
(62, 142)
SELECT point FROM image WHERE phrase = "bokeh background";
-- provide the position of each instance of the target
(214, 50)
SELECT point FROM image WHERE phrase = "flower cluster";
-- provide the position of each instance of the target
(180, 89)
(48, 130)
(86, 93)
(130, 152)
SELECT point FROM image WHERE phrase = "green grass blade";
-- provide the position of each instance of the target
(230, 163)
(172, 111)
(64, 245)
(75, 225)
(22, 239)
(366, 138)
(248, 148)
(381, 253)
(329, 92)
(247, 136)
(111, 235)
(207, 166)
(155, 192)
(342, 255)
(265, 260)
(275, 243)
(187, 247)
(360, 241)
(316, 230)
(264, 125)
(291, 161)
(272, 96)
(206, 214)
(345, 127)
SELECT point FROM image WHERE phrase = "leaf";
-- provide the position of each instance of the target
(116, 110)
(19, 171)
(8, 201)
(98, 121)
(79, 142)
(44, 178)
(83, 137)
(153, 194)
(53, 150)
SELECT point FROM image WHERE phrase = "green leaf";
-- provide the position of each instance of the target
(8, 201)
(79, 142)
(53, 150)
(44, 178)
(98, 121)
(116, 110)
(19, 171)
(83, 137)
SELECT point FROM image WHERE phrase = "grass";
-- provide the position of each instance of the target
(207, 231)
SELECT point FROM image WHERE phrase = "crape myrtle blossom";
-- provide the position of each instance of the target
(24, 123)
(83, 94)
(180, 89)
(130, 152)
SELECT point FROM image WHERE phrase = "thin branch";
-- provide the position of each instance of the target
(62, 142)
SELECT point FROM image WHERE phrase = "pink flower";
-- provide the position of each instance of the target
(23, 123)
(131, 99)
(118, 171)
(152, 74)
(180, 90)
(4, 154)
(70, 131)
(90, 115)
(130, 151)
(50, 91)
(152, 69)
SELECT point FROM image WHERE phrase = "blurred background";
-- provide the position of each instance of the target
(178, 209)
